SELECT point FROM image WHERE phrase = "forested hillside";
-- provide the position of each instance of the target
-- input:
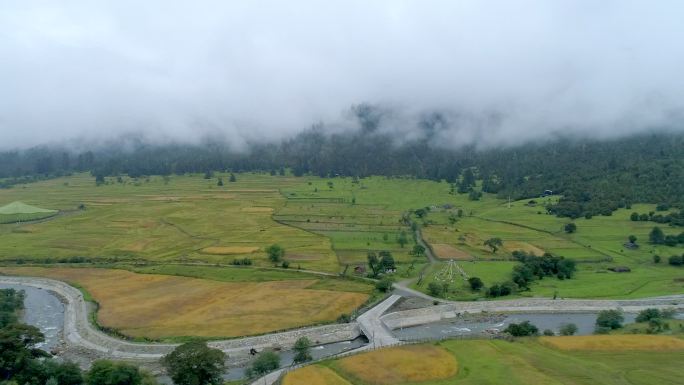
(594, 177)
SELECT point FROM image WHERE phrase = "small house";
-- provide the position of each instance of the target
(360, 270)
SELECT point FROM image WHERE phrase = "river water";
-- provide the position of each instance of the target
(455, 328)
(43, 310)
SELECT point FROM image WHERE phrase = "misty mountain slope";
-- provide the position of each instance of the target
(595, 177)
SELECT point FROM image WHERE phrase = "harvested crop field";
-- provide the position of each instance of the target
(444, 251)
(314, 375)
(227, 250)
(616, 342)
(413, 363)
(257, 209)
(159, 306)
(523, 246)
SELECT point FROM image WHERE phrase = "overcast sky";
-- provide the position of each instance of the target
(499, 71)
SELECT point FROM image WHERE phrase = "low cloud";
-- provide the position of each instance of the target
(489, 73)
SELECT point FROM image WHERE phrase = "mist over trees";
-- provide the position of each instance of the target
(594, 177)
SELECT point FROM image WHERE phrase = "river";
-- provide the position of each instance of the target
(454, 328)
(43, 310)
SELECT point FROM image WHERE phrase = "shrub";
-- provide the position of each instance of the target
(570, 228)
(264, 363)
(384, 285)
(648, 314)
(275, 253)
(475, 283)
(670, 240)
(501, 289)
(676, 260)
(568, 329)
(611, 319)
(242, 262)
(435, 289)
(522, 329)
(302, 350)
(194, 363)
(104, 372)
(656, 236)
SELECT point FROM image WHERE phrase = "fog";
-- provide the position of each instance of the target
(478, 72)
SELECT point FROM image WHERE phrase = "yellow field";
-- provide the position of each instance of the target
(156, 306)
(314, 375)
(444, 251)
(615, 342)
(512, 246)
(413, 363)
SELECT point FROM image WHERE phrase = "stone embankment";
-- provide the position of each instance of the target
(413, 317)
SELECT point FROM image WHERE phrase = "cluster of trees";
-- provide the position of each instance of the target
(658, 237)
(526, 329)
(606, 321)
(194, 363)
(523, 329)
(22, 363)
(276, 254)
(594, 177)
(675, 218)
(656, 319)
(380, 263)
(533, 268)
(11, 301)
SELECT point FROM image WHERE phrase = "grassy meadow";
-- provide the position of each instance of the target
(633, 360)
(229, 304)
(596, 246)
(329, 225)
(360, 215)
(21, 212)
(181, 218)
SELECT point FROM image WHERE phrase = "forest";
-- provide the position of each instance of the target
(594, 177)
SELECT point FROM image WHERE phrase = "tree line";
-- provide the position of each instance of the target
(594, 177)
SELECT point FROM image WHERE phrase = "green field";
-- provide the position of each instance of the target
(532, 362)
(597, 246)
(360, 215)
(329, 225)
(182, 218)
(21, 212)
